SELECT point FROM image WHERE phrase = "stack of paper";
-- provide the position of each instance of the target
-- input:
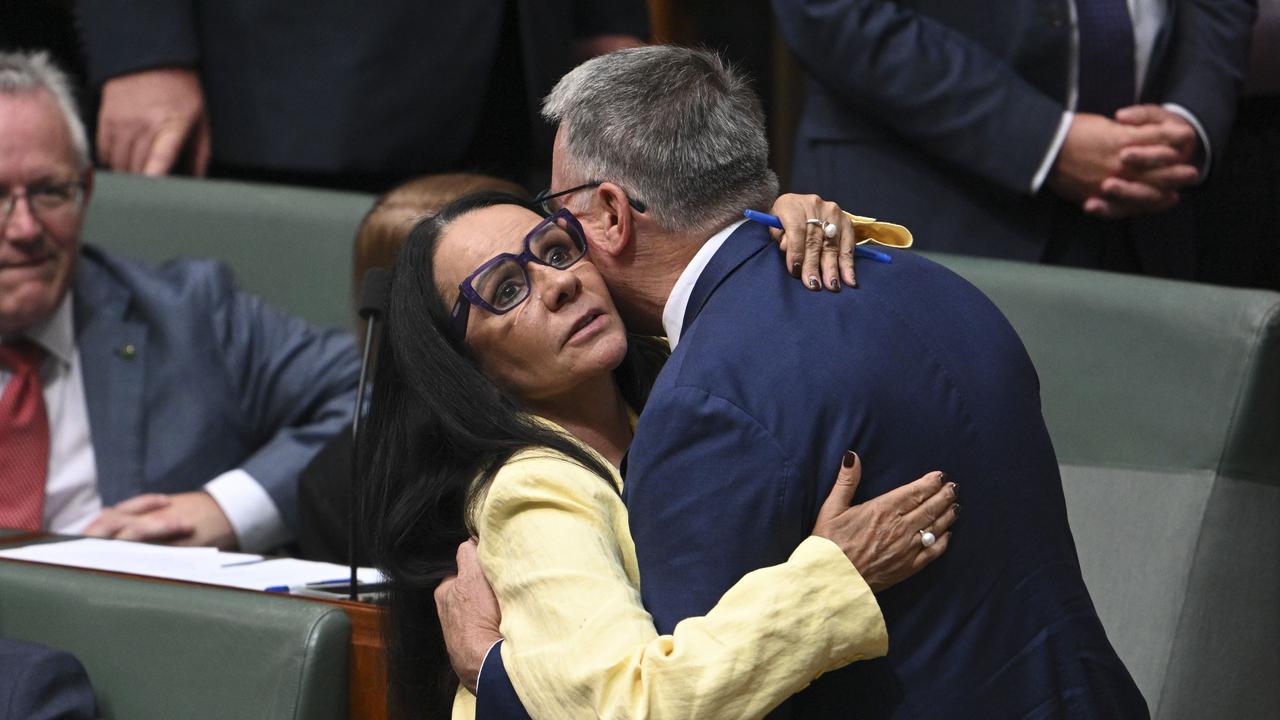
(202, 565)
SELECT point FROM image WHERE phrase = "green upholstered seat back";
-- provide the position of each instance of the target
(290, 246)
(159, 651)
(1163, 402)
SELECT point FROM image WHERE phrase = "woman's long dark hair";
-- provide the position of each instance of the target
(437, 432)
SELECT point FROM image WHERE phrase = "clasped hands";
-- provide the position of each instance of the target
(190, 518)
(1128, 166)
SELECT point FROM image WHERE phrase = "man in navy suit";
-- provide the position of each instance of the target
(332, 92)
(40, 683)
(1062, 131)
(769, 382)
(164, 405)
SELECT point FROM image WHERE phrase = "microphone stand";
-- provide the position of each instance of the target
(373, 302)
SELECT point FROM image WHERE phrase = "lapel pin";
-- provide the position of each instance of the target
(128, 351)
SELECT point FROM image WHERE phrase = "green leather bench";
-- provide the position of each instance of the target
(1162, 398)
(291, 246)
(159, 651)
(1163, 402)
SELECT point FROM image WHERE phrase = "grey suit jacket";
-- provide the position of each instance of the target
(186, 377)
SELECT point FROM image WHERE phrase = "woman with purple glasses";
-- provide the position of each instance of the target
(506, 395)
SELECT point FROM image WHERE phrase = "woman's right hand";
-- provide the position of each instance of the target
(883, 537)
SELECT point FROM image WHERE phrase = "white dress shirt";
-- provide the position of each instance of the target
(1147, 17)
(72, 500)
(678, 300)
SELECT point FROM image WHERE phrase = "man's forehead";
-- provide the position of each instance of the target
(34, 139)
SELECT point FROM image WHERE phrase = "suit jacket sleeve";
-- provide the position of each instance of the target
(295, 386)
(937, 88)
(578, 642)
(1207, 61)
(125, 36)
(39, 683)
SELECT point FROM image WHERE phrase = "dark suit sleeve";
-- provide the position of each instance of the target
(496, 698)
(125, 36)
(295, 386)
(39, 683)
(1207, 61)
(935, 87)
(711, 496)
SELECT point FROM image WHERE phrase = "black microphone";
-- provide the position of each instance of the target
(373, 304)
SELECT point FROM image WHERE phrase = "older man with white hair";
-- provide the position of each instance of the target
(143, 403)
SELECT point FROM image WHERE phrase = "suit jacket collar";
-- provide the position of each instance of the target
(113, 363)
(749, 239)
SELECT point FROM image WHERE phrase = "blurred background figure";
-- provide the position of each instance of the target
(1060, 132)
(333, 93)
(1238, 228)
(324, 513)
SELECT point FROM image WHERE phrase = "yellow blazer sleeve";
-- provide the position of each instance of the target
(555, 545)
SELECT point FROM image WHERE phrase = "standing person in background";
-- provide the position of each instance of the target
(1060, 131)
(337, 93)
(140, 403)
(1239, 215)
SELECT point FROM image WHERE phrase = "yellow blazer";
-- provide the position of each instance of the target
(555, 544)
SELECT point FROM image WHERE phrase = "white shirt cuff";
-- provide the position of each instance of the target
(485, 662)
(1051, 156)
(250, 510)
(1185, 114)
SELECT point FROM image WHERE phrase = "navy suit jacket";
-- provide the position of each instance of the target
(938, 113)
(40, 683)
(741, 438)
(216, 380)
(393, 87)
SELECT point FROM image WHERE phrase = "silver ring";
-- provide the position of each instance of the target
(927, 538)
(828, 229)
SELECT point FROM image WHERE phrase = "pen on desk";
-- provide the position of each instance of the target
(307, 586)
(773, 222)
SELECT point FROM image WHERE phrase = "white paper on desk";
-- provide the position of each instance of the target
(202, 565)
(178, 563)
(290, 571)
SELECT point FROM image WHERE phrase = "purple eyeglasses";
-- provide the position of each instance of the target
(502, 283)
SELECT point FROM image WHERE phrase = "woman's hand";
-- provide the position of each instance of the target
(884, 537)
(469, 616)
(819, 261)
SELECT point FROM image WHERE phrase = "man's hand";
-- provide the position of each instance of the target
(192, 518)
(1150, 174)
(469, 616)
(149, 117)
(1133, 165)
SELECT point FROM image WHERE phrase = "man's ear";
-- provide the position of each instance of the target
(617, 222)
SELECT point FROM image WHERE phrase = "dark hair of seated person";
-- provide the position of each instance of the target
(324, 513)
(438, 431)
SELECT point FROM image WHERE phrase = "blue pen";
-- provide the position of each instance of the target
(773, 222)
(308, 586)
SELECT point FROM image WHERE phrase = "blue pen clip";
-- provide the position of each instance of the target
(773, 222)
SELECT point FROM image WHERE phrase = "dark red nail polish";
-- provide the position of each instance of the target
(813, 283)
(956, 508)
(849, 458)
(835, 284)
(795, 269)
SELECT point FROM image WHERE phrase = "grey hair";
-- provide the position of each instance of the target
(32, 72)
(676, 127)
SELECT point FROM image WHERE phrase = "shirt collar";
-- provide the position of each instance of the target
(56, 333)
(678, 300)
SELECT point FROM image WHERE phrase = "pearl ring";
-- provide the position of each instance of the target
(828, 229)
(927, 538)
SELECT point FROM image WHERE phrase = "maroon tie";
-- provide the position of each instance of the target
(24, 438)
